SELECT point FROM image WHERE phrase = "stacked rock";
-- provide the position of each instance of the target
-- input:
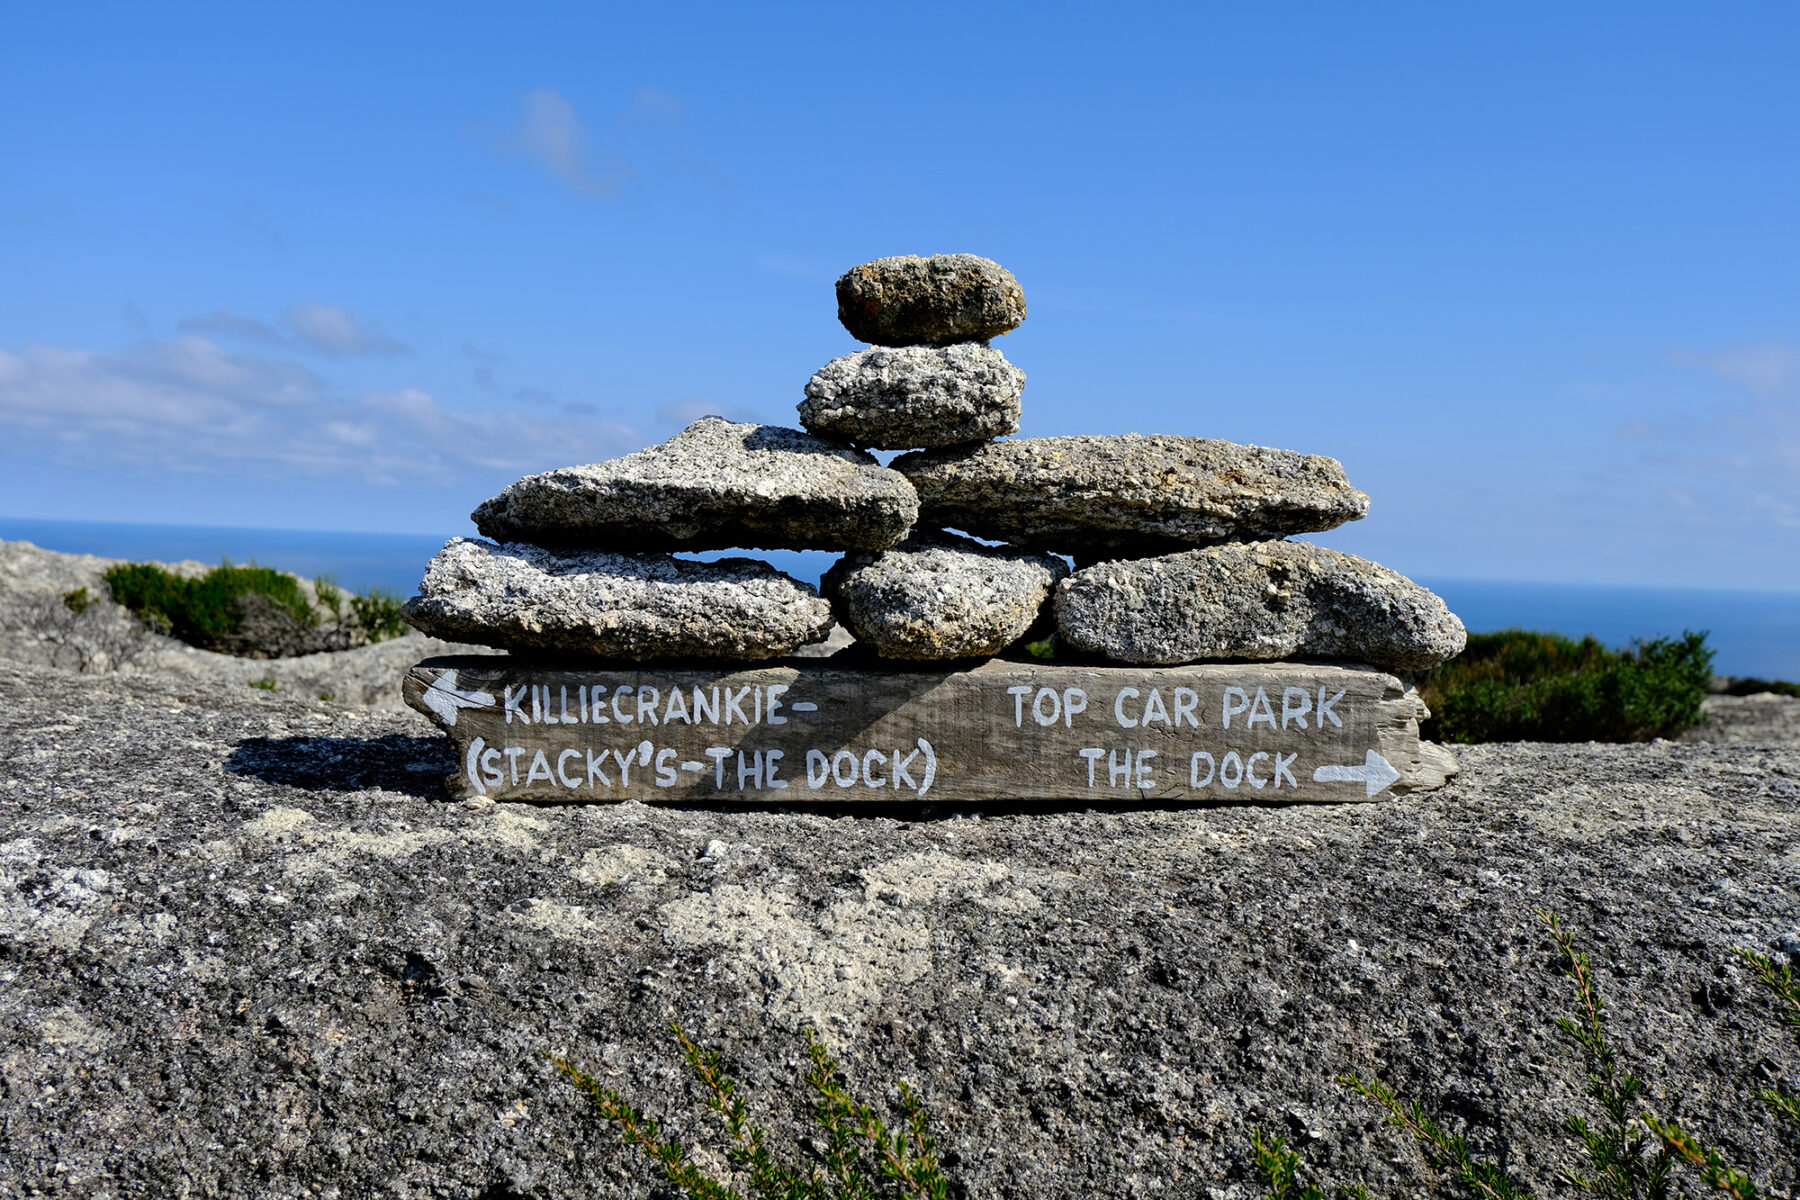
(1178, 538)
(1178, 541)
(582, 557)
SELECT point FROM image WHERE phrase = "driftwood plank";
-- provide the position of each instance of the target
(814, 732)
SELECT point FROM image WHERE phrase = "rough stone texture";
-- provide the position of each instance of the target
(1760, 718)
(915, 396)
(941, 596)
(1257, 600)
(249, 952)
(913, 301)
(641, 607)
(714, 486)
(1128, 496)
(37, 627)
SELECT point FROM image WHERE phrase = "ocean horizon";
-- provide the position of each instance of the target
(1752, 633)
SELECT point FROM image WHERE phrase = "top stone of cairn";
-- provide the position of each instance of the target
(713, 486)
(935, 301)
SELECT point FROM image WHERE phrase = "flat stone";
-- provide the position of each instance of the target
(715, 485)
(639, 607)
(913, 301)
(1128, 496)
(941, 596)
(1256, 600)
(907, 397)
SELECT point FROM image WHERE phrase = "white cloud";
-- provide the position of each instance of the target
(1765, 371)
(552, 136)
(191, 407)
(337, 331)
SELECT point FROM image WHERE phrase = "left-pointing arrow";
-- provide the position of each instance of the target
(1375, 773)
(446, 699)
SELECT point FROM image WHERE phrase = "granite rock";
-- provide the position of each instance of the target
(1128, 496)
(903, 398)
(642, 607)
(1256, 600)
(250, 951)
(913, 301)
(713, 486)
(941, 596)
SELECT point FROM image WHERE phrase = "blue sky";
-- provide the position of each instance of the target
(1529, 271)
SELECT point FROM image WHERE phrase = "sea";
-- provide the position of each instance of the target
(1752, 633)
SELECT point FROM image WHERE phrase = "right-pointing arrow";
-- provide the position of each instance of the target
(1375, 773)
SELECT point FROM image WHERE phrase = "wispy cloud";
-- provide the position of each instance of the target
(1766, 370)
(314, 326)
(226, 324)
(337, 331)
(1737, 459)
(191, 406)
(550, 134)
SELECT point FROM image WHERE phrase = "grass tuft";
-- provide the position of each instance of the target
(860, 1158)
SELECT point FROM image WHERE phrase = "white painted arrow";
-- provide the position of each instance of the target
(1375, 773)
(445, 698)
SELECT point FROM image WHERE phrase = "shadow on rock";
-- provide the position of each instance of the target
(415, 766)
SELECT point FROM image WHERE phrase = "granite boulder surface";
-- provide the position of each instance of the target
(940, 596)
(910, 397)
(933, 301)
(1128, 495)
(590, 603)
(716, 485)
(1256, 600)
(247, 950)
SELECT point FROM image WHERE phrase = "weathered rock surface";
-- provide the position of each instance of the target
(249, 951)
(915, 396)
(1129, 495)
(940, 596)
(714, 486)
(645, 607)
(1257, 600)
(913, 301)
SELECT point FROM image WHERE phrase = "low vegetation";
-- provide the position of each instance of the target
(1523, 686)
(859, 1157)
(1625, 1151)
(253, 611)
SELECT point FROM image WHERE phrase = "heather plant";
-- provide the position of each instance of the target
(212, 611)
(859, 1158)
(1523, 686)
(1628, 1153)
(378, 614)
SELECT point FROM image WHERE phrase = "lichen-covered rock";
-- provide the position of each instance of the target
(641, 607)
(1128, 496)
(941, 596)
(907, 397)
(913, 301)
(251, 951)
(1257, 600)
(715, 485)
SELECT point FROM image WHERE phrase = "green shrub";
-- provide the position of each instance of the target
(378, 614)
(1523, 686)
(203, 610)
(859, 1157)
(207, 611)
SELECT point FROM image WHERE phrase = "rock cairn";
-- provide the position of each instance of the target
(961, 548)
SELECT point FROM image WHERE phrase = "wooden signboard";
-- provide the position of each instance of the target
(810, 731)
